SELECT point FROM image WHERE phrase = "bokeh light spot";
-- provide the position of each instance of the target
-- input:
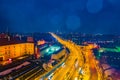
(94, 6)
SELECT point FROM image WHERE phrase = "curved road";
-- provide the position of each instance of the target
(71, 66)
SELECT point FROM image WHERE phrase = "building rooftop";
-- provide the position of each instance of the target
(13, 40)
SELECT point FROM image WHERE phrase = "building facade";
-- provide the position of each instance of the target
(15, 48)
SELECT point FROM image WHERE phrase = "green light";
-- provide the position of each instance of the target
(101, 50)
(52, 49)
(117, 49)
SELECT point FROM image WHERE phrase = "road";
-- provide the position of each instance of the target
(71, 64)
(77, 64)
(94, 75)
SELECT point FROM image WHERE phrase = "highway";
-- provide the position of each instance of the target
(72, 63)
(91, 63)
(80, 64)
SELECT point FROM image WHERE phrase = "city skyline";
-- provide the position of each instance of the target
(59, 56)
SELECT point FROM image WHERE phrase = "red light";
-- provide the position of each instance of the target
(10, 59)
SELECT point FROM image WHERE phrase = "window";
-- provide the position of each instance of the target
(5, 52)
(9, 52)
(1, 58)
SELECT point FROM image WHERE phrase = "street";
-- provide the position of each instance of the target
(80, 64)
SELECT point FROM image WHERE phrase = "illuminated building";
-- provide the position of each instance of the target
(37, 52)
(14, 47)
(58, 55)
(41, 42)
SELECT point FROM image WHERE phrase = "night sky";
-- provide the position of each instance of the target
(86, 16)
